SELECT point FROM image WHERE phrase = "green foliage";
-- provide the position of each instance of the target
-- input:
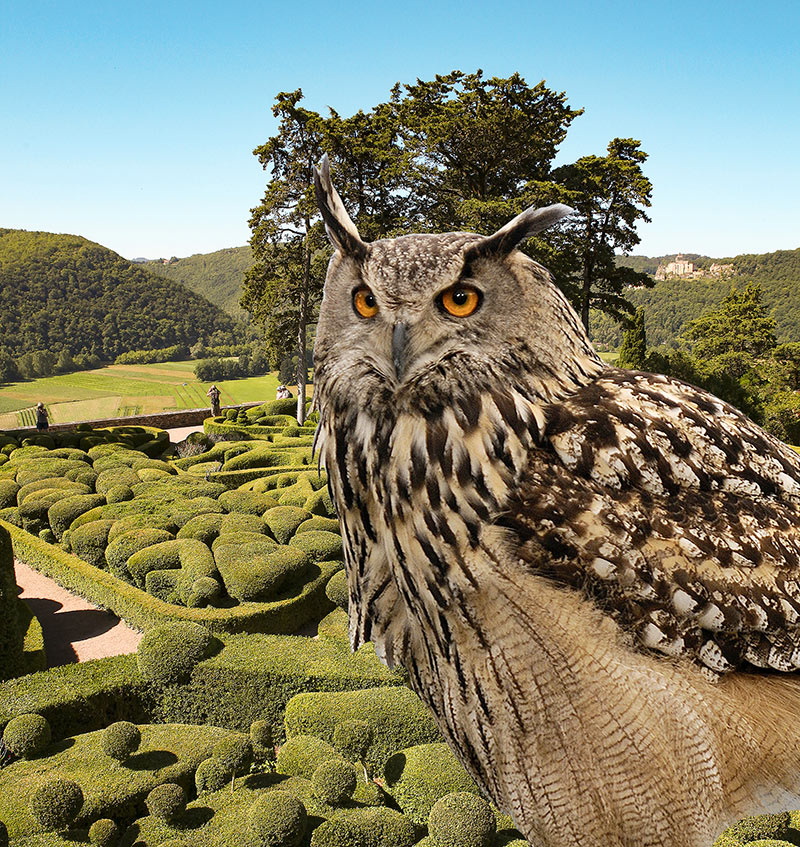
(633, 351)
(284, 520)
(334, 781)
(461, 819)
(62, 292)
(169, 653)
(104, 833)
(64, 511)
(378, 827)
(89, 541)
(319, 544)
(396, 715)
(175, 353)
(277, 819)
(419, 776)
(756, 828)
(167, 801)
(352, 739)
(56, 803)
(211, 775)
(234, 753)
(216, 276)
(301, 755)
(27, 736)
(121, 740)
(255, 571)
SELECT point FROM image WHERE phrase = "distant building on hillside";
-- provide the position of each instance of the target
(682, 268)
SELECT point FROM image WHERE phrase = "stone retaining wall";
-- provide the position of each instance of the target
(163, 420)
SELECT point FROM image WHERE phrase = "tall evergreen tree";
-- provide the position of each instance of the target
(633, 350)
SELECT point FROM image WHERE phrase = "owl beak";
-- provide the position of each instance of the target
(399, 338)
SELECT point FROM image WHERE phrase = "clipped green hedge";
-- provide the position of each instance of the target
(251, 572)
(286, 613)
(397, 717)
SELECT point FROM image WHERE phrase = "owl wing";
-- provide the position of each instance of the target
(675, 514)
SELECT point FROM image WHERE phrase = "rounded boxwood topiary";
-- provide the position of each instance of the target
(120, 740)
(235, 753)
(204, 591)
(352, 738)
(167, 801)
(337, 590)
(118, 494)
(261, 734)
(303, 754)
(27, 736)
(211, 775)
(56, 803)
(277, 819)
(168, 653)
(104, 833)
(334, 781)
(461, 819)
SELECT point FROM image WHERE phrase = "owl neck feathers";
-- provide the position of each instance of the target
(418, 474)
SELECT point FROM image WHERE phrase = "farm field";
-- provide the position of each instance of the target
(120, 390)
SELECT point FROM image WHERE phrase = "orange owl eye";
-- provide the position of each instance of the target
(460, 300)
(364, 302)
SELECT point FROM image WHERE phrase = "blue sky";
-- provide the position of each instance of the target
(133, 124)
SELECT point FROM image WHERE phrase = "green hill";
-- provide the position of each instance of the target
(63, 292)
(215, 276)
(671, 303)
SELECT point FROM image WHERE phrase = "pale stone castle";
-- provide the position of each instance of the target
(682, 268)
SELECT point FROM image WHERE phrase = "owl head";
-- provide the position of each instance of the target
(406, 316)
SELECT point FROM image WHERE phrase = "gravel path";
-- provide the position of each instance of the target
(74, 630)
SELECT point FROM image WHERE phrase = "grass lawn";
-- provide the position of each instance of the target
(119, 390)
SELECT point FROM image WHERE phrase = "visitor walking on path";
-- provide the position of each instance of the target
(213, 393)
(42, 421)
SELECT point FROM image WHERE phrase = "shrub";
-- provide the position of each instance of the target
(211, 775)
(317, 523)
(246, 502)
(203, 528)
(121, 740)
(284, 520)
(27, 736)
(377, 827)
(320, 503)
(191, 556)
(51, 482)
(167, 801)
(338, 591)
(251, 572)
(419, 776)
(303, 754)
(114, 477)
(169, 653)
(334, 781)
(277, 819)
(33, 510)
(63, 512)
(352, 739)
(397, 716)
(320, 546)
(756, 828)
(204, 591)
(234, 753)
(56, 803)
(122, 547)
(119, 494)
(104, 833)
(161, 584)
(8, 493)
(461, 819)
(261, 735)
(236, 523)
(89, 541)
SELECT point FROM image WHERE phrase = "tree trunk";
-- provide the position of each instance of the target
(302, 371)
(586, 292)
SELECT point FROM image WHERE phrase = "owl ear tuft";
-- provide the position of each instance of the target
(341, 230)
(525, 225)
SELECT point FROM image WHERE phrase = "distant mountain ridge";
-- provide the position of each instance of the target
(64, 292)
(671, 303)
(216, 276)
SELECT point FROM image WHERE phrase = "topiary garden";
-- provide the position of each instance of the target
(223, 729)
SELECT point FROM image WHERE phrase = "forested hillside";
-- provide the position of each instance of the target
(215, 276)
(673, 302)
(63, 292)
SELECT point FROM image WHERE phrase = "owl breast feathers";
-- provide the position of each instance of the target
(575, 563)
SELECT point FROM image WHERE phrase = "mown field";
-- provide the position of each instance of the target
(120, 390)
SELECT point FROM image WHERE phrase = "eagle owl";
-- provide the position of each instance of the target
(590, 574)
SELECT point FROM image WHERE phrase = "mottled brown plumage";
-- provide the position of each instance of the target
(590, 574)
